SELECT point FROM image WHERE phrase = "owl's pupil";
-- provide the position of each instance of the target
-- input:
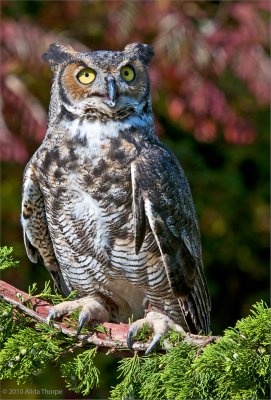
(126, 73)
(86, 74)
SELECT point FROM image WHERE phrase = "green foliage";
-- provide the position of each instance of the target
(6, 260)
(47, 294)
(144, 334)
(28, 351)
(235, 367)
(238, 364)
(80, 374)
(129, 369)
(6, 322)
(100, 328)
(157, 376)
(7, 326)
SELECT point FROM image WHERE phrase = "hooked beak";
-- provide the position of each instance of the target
(112, 92)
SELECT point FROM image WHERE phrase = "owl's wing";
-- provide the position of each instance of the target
(162, 197)
(37, 239)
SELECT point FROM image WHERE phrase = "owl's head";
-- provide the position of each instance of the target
(107, 84)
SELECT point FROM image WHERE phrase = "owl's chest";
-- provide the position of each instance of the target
(104, 184)
(80, 175)
(105, 175)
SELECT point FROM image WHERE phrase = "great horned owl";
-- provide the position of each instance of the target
(106, 206)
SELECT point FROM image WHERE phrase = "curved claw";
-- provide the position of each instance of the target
(154, 342)
(131, 333)
(134, 328)
(83, 319)
(51, 314)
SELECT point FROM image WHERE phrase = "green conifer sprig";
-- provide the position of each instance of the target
(6, 259)
(6, 322)
(26, 353)
(47, 294)
(80, 374)
(8, 327)
(235, 367)
(129, 371)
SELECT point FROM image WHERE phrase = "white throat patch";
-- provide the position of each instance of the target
(97, 133)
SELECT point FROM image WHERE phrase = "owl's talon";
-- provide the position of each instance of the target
(134, 328)
(129, 340)
(154, 342)
(83, 319)
(89, 307)
(131, 333)
(50, 316)
(160, 325)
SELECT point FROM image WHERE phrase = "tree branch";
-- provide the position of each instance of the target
(113, 342)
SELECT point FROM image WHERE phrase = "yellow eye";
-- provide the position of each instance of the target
(86, 76)
(127, 73)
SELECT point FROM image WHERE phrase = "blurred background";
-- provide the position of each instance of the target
(211, 92)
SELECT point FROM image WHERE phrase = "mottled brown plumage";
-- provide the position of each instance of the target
(106, 206)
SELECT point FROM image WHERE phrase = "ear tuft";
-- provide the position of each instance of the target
(58, 54)
(144, 52)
